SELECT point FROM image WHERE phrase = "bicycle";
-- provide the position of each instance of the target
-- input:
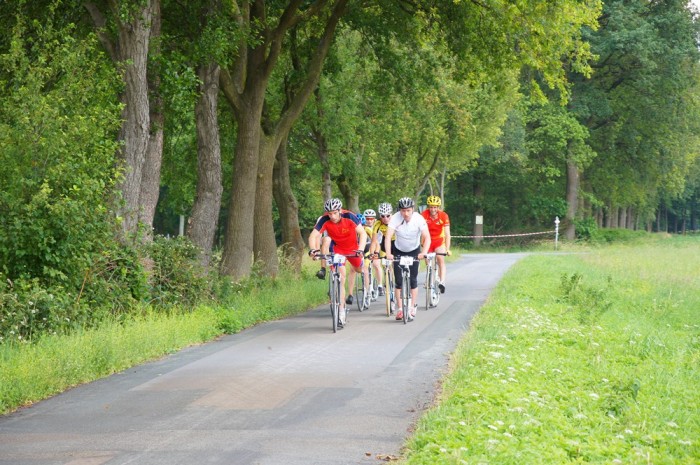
(333, 262)
(405, 262)
(432, 278)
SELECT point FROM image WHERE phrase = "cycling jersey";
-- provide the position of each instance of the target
(408, 234)
(379, 229)
(436, 227)
(342, 233)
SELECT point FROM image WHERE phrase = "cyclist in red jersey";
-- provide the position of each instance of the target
(349, 238)
(439, 227)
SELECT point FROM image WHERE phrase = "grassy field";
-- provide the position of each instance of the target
(579, 358)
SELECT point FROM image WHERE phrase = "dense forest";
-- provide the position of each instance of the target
(124, 121)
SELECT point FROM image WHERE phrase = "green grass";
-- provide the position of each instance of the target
(582, 358)
(32, 372)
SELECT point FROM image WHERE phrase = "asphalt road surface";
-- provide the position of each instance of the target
(288, 392)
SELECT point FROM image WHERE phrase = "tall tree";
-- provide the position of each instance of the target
(244, 84)
(129, 49)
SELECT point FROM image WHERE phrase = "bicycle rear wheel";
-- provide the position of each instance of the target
(434, 290)
(359, 291)
(373, 284)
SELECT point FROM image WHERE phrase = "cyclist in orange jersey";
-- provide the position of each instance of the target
(439, 227)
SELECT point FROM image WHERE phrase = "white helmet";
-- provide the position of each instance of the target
(385, 208)
(369, 213)
(333, 204)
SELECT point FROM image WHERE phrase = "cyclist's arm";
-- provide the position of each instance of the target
(374, 243)
(425, 238)
(315, 240)
(362, 235)
(387, 242)
(447, 237)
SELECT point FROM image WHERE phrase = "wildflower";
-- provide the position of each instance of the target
(686, 442)
(493, 427)
(672, 424)
(593, 395)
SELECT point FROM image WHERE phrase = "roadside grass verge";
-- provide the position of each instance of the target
(585, 358)
(30, 372)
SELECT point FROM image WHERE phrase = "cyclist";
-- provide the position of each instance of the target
(439, 227)
(371, 216)
(348, 237)
(412, 238)
(376, 248)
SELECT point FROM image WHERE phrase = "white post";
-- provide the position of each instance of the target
(556, 232)
(182, 225)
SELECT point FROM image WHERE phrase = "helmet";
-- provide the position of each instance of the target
(385, 208)
(406, 202)
(434, 201)
(363, 220)
(333, 204)
(369, 213)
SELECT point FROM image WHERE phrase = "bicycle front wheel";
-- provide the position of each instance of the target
(406, 295)
(428, 286)
(335, 300)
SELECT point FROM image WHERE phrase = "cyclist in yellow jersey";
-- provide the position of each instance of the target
(377, 245)
(370, 218)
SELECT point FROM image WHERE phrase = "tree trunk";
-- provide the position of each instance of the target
(238, 245)
(150, 180)
(207, 204)
(572, 185)
(265, 245)
(133, 47)
(140, 146)
(614, 216)
(292, 240)
(622, 221)
(351, 198)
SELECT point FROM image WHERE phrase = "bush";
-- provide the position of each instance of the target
(176, 277)
(608, 236)
(586, 229)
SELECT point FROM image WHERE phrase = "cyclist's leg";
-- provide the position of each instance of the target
(414, 283)
(398, 283)
(441, 268)
(378, 275)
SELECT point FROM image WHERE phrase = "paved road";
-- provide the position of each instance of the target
(288, 392)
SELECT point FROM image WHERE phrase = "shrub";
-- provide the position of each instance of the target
(176, 277)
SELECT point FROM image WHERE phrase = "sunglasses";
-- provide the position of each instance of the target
(386, 216)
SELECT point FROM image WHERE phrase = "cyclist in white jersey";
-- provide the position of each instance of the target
(412, 238)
